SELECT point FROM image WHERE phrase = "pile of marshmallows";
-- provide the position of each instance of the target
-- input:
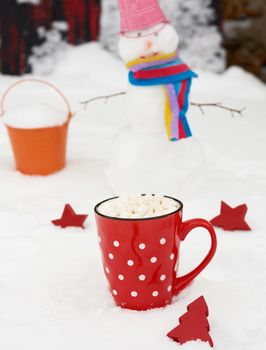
(139, 206)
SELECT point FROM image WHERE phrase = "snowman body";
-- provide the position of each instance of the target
(145, 109)
(143, 160)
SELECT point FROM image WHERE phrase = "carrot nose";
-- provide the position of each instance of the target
(148, 44)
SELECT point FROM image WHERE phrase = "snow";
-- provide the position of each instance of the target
(35, 116)
(201, 40)
(134, 167)
(53, 290)
(51, 49)
(33, 2)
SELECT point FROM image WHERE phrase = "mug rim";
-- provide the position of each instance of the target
(137, 219)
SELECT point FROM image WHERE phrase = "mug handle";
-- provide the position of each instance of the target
(181, 282)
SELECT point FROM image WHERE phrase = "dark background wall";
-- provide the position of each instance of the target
(19, 23)
(244, 31)
(242, 22)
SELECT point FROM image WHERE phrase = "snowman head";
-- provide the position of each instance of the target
(159, 39)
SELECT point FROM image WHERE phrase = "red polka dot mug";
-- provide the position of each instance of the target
(140, 257)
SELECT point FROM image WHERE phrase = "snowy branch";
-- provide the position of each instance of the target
(195, 104)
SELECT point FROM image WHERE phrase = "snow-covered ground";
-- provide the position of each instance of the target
(53, 293)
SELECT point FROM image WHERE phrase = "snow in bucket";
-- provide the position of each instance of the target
(33, 116)
(37, 132)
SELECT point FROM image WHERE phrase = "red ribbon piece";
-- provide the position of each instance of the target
(231, 219)
(70, 219)
(193, 325)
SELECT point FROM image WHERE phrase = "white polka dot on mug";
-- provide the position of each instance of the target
(142, 246)
(162, 277)
(116, 244)
(130, 262)
(163, 241)
(142, 277)
(121, 277)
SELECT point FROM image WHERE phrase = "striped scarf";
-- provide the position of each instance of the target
(170, 71)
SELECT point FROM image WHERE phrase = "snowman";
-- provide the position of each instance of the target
(156, 153)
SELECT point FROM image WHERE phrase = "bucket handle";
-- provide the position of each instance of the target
(2, 110)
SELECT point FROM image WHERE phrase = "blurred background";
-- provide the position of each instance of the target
(215, 34)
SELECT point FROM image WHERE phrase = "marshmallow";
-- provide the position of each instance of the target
(137, 207)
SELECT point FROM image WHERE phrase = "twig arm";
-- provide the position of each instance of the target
(218, 105)
(105, 97)
(195, 104)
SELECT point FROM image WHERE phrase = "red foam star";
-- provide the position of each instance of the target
(193, 325)
(70, 219)
(231, 219)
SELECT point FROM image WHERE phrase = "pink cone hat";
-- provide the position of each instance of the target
(140, 14)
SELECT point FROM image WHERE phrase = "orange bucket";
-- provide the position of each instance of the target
(39, 151)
